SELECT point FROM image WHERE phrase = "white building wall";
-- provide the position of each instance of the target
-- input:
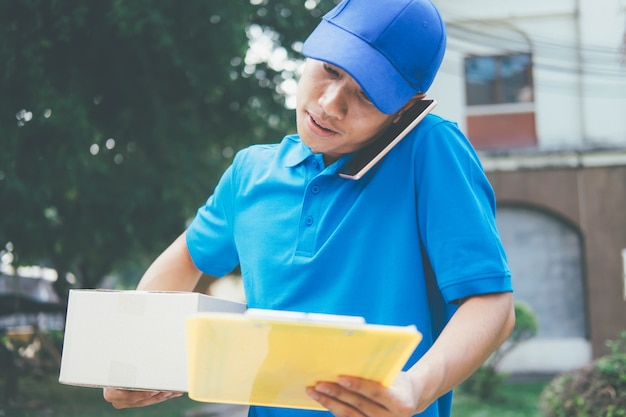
(602, 33)
(449, 89)
(556, 80)
(579, 63)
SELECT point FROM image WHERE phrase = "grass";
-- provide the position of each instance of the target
(512, 399)
(45, 397)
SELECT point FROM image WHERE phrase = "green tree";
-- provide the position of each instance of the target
(117, 117)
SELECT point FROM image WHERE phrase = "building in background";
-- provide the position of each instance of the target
(540, 89)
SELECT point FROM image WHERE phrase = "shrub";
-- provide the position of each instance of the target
(595, 390)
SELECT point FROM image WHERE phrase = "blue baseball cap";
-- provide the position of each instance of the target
(392, 48)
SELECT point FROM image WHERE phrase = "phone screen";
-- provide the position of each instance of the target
(366, 158)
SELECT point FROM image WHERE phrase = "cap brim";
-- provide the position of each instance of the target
(378, 78)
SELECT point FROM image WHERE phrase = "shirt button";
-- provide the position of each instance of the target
(315, 189)
(308, 220)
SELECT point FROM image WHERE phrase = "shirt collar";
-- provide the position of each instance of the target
(296, 152)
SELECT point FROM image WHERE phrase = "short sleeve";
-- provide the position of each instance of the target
(457, 216)
(210, 238)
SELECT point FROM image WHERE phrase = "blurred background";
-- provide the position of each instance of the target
(118, 117)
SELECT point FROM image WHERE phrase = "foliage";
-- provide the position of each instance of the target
(596, 390)
(117, 118)
(618, 345)
(486, 379)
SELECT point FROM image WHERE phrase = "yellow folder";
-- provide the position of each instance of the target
(270, 360)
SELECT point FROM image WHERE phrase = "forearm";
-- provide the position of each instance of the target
(173, 270)
(479, 326)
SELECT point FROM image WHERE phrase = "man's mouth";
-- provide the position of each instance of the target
(318, 128)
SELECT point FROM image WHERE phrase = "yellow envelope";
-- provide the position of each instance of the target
(261, 360)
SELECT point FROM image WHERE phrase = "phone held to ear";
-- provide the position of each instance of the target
(364, 159)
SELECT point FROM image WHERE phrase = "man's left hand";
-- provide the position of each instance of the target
(352, 397)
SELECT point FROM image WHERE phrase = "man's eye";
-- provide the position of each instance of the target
(366, 97)
(331, 70)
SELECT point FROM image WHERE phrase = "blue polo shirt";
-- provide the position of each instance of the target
(309, 240)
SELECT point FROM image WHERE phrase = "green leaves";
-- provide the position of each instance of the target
(117, 118)
(597, 389)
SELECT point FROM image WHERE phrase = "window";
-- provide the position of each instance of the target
(499, 79)
(500, 101)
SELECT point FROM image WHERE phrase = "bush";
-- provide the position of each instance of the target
(486, 379)
(596, 390)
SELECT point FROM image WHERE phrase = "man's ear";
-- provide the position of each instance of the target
(408, 104)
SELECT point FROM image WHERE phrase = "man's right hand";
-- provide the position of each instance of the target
(121, 398)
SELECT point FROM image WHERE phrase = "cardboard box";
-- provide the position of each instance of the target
(131, 339)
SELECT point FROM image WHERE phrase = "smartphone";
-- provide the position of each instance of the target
(364, 159)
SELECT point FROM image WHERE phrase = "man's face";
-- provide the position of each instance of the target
(333, 115)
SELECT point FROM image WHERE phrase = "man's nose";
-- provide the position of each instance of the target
(333, 100)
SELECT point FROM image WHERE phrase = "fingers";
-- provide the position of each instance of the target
(120, 398)
(350, 397)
